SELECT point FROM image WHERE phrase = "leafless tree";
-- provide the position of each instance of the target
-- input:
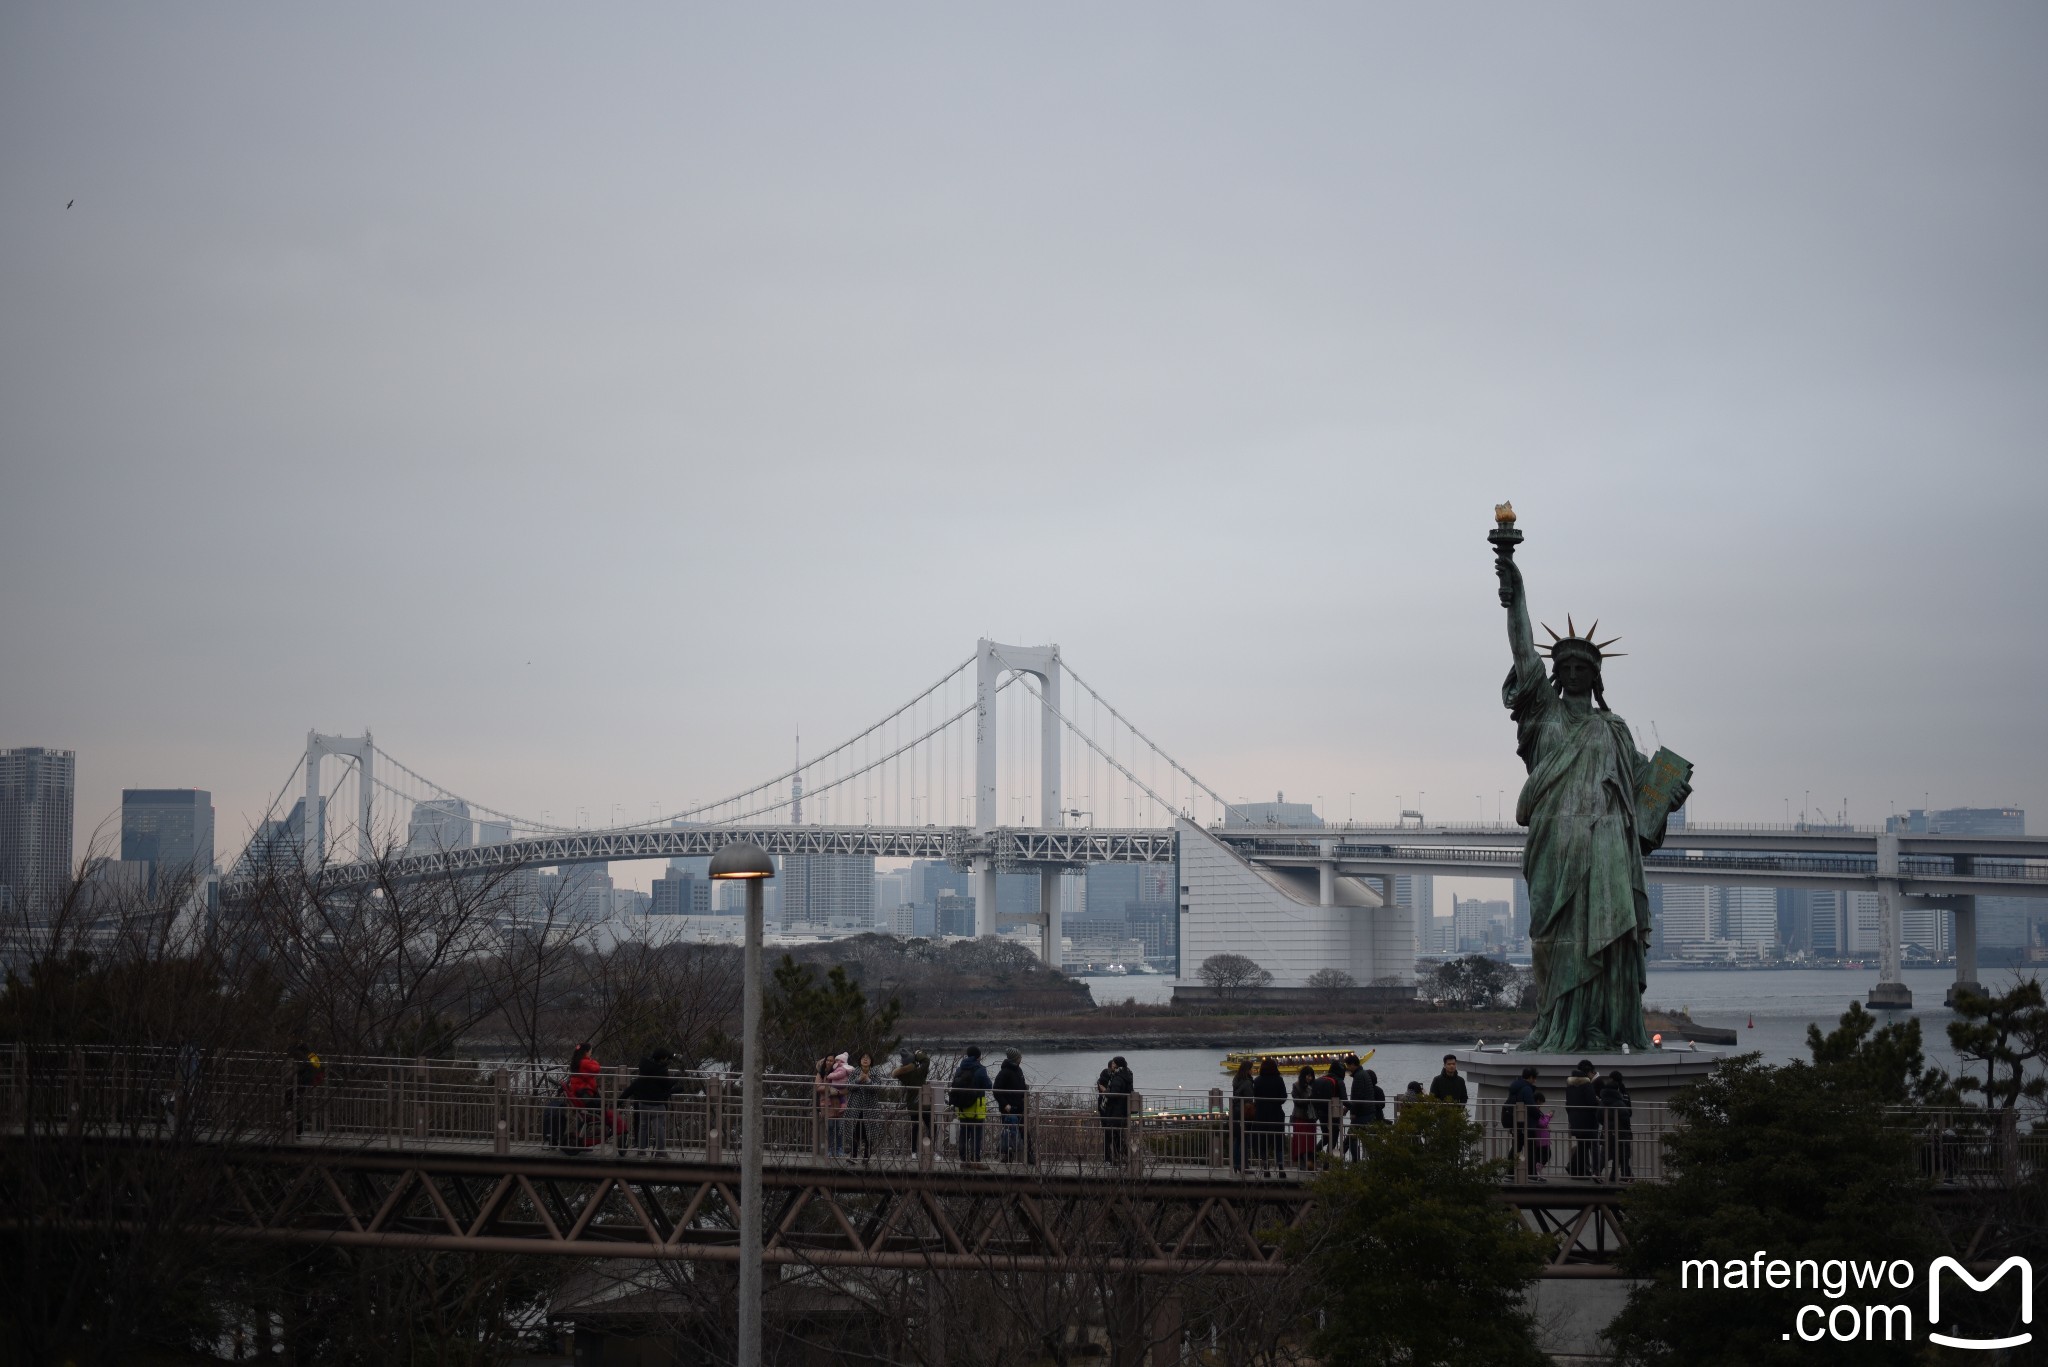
(1232, 972)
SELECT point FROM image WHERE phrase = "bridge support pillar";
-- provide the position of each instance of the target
(982, 884)
(1965, 910)
(1050, 929)
(1890, 992)
(1327, 875)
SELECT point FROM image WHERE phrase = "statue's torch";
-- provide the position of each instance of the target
(1504, 536)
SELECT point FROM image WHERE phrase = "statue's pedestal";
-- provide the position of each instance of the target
(1652, 1077)
(1891, 997)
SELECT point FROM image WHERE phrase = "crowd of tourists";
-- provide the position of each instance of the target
(1329, 1110)
(1274, 1124)
(1599, 1125)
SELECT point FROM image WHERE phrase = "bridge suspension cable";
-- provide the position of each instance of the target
(1175, 764)
(521, 822)
(1114, 763)
(869, 767)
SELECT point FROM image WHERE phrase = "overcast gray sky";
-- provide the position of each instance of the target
(738, 366)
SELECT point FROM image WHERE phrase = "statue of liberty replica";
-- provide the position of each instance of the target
(1594, 806)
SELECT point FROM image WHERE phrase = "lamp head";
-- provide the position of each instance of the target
(743, 859)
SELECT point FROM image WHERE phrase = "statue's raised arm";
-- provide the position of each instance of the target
(1521, 637)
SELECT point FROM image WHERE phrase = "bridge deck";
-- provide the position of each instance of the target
(443, 1156)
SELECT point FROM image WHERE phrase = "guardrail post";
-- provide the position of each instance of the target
(292, 1128)
(1134, 1134)
(501, 1099)
(927, 1116)
(1027, 1127)
(1219, 1138)
(714, 1118)
(419, 1109)
(819, 1101)
(392, 1124)
(608, 1112)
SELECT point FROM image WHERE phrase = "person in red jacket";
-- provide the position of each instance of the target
(584, 1071)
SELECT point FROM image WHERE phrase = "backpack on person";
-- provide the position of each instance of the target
(961, 1095)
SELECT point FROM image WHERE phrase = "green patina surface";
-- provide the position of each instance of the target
(1594, 805)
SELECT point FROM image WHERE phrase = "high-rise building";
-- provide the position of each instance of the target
(170, 830)
(1862, 915)
(828, 891)
(439, 824)
(1440, 937)
(36, 794)
(1748, 916)
(1479, 927)
(953, 915)
(1962, 821)
(1688, 915)
(278, 846)
(1795, 920)
(577, 892)
(924, 882)
(680, 894)
(892, 890)
(1826, 929)
(1279, 812)
(1520, 928)
(1417, 892)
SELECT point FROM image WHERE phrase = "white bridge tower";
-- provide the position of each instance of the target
(992, 661)
(359, 749)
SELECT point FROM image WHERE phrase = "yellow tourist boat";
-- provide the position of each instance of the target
(1292, 1060)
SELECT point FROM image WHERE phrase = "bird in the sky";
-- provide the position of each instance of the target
(69, 203)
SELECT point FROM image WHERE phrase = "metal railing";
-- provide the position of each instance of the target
(1593, 1143)
(504, 1107)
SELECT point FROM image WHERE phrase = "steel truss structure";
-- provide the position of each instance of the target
(840, 1215)
(1930, 867)
(1008, 847)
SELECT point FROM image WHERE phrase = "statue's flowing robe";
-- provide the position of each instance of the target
(1589, 911)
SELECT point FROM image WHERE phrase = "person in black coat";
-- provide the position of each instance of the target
(1114, 1087)
(1269, 1114)
(1618, 1111)
(1330, 1104)
(1582, 1118)
(1010, 1090)
(1368, 1105)
(647, 1096)
(1515, 1116)
(1241, 1112)
(1447, 1085)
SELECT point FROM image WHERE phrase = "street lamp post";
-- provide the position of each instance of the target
(750, 863)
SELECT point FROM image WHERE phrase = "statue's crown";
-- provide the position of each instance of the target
(1571, 643)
